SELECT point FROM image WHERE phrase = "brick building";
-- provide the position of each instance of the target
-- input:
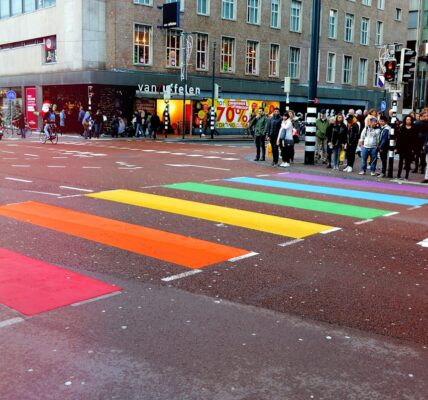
(58, 49)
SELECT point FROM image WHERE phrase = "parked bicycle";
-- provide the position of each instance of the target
(10, 131)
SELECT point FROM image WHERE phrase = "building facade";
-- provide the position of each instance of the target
(113, 55)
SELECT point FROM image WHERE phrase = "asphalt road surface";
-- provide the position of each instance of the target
(134, 269)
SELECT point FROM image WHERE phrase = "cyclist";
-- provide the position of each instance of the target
(49, 121)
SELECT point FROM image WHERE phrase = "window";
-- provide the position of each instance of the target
(381, 4)
(29, 5)
(46, 3)
(252, 58)
(347, 69)
(144, 2)
(332, 24)
(274, 60)
(228, 9)
(362, 72)
(142, 44)
(227, 54)
(413, 19)
(294, 63)
(253, 11)
(175, 1)
(379, 33)
(50, 50)
(295, 16)
(398, 14)
(275, 13)
(202, 52)
(331, 67)
(173, 48)
(203, 7)
(16, 7)
(4, 8)
(376, 74)
(366, 2)
(349, 28)
(365, 27)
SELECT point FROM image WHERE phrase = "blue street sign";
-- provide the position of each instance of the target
(11, 95)
(383, 105)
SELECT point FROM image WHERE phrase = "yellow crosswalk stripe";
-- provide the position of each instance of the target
(230, 216)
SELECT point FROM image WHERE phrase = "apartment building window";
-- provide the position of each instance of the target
(275, 13)
(142, 44)
(381, 4)
(227, 54)
(379, 33)
(349, 28)
(274, 60)
(143, 2)
(203, 7)
(228, 9)
(173, 48)
(376, 74)
(347, 69)
(175, 1)
(252, 58)
(365, 28)
(294, 63)
(332, 24)
(331, 67)
(202, 52)
(362, 72)
(366, 2)
(253, 11)
(296, 16)
(398, 14)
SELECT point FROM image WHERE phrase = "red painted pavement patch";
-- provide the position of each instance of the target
(31, 286)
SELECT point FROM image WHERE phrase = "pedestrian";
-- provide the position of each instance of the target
(62, 118)
(369, 141)
(121, 127)
(383, 147)
(352, 137)
(80, 118)
(336, 138)
(321, 124)
(421, 125)
(156, 123)
(260, 131)
(371, 113)
(87, 125)
(274, 127)
(285, 140)
(406, 144)
(98, 123)
(424, 117)
(138, 123)
(20, 121)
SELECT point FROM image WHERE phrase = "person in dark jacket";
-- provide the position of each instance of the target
(274, 127)
(406, 144)
(336, 138)
(260, 131)
(383, 146)
(352, 137)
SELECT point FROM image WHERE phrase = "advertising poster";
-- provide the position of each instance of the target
(30, 107)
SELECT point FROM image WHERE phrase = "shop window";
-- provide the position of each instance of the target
(173, 48)
(227, 54)
(202, 52)
(142, 44)
(252, 58)
(50, 50)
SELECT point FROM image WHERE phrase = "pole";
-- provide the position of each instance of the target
(185, 82)
(311, 116)
(392, 135)
(212, 112)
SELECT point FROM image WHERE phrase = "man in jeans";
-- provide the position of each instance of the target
(260, 131)
(322, 124)
(369, 142)
(383, 144)
(274, 126)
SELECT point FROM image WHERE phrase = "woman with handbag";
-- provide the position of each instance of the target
(285, 140)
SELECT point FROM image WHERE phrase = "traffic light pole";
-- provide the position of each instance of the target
(392, 136)
(212, 111)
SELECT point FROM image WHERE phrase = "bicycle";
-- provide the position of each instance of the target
(10, 130)
(53, 135)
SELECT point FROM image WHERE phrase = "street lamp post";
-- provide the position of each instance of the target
(184, 79)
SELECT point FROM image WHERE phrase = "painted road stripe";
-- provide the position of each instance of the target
(18, 180)
(182, 275)
(354, 182)
(333, 191)
(234, 259)
(347, 210)
(75, 188)
(291, 242)
(196, 166)
(32, 286)
(46, 193)
(11, 321)
(230, 216)
(424, 243)
(178, 249)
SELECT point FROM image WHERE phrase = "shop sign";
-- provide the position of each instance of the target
(174, 89)
(30, 106)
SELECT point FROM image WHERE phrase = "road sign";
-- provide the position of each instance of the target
(383, 105)
(381, 81)
(11, 95)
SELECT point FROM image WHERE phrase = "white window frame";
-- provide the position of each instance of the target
(294, 63)
(231, 55)
(398, 14)
(199, 54)
(379, 33)
(199, 10)
(381, 4)
(150, 45)
(168, 48)
(377, 71)
(331, 67)
(296, 16)
(332, 24)
(348, 81)
(274, 60)
(351, 28)
(148, 3)
(275, 14)
(228, 5)
(362, 71)
(366, 3)
(252, 57)
(365, 34)
(253, 11)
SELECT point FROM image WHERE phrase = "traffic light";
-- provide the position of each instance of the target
(389, 73)
(407, 64)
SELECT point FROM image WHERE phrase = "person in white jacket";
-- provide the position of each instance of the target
(285, 140)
